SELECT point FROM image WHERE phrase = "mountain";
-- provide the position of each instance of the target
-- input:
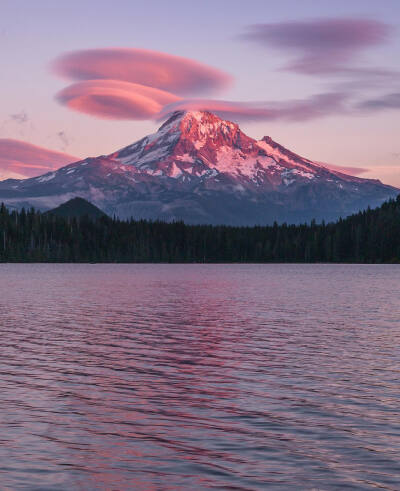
(77, 207)
(202, 169)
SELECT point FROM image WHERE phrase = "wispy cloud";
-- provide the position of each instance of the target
(63, 139)
(386, 101)
(20, 118)
(346, 169)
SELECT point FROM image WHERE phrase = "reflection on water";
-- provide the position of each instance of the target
(166, 377)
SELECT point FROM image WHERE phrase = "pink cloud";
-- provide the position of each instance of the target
(321, 45)
(113, 99)
(141, 66)
(19, 159)
(344, 169)
(296, 110)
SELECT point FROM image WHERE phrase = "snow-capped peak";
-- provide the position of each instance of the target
(194, 145)
(190, 144)
(203, 169)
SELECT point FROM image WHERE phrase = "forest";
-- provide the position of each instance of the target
(370, 236)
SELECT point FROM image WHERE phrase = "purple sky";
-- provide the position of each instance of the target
(319, 77)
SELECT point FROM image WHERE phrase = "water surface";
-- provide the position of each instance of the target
(167, 377)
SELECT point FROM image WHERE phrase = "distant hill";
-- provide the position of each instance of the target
(77, 207)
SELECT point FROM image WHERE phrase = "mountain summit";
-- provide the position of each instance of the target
(202, 169)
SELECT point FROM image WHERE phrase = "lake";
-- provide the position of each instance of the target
(168, 377)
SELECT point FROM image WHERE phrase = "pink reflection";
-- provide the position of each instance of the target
(147, 402)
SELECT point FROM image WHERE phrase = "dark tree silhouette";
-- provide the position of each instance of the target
(371, 236)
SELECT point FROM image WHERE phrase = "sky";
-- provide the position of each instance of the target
(85, 78)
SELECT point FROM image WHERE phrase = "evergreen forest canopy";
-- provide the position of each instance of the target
(370, 236)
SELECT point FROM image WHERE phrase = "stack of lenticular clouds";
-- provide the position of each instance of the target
(127, 83)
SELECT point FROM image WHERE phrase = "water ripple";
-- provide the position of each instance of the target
(166, 377)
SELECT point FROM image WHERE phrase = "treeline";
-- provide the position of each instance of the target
(371, 236)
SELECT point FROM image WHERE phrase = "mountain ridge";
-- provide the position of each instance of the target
(200, 168)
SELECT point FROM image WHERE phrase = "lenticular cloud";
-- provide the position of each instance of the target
(21, 159)
(316, 106)
(137, 84)
(320, 45)
(114, 99)
(145, 67)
